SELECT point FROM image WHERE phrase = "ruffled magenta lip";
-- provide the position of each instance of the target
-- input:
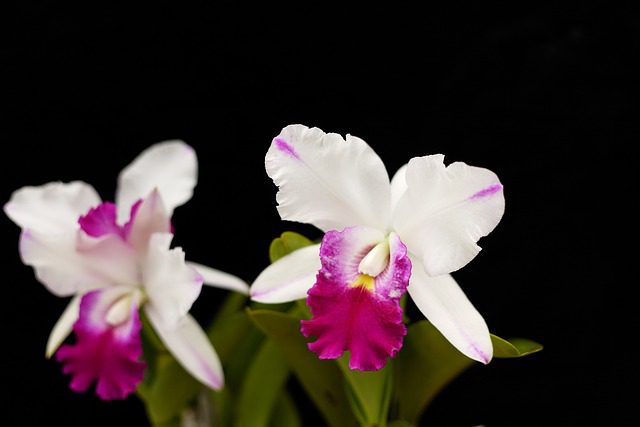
(358, 322)
(106, 355)
(356, 312)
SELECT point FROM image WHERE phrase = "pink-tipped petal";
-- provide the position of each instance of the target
(105, 354)
(289, 278)
(364, 319)
(445, 305)
(190, 346)
(328, 181)
(445, 210)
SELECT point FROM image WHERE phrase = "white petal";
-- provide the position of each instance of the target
(446, 210)
(398, 186)
(189, 345)
(51, 208)
(442, 301)
(63, 326)
(151, 217)
(289, 278)
(170, 166)
(327, 181)
(74, 262)
(171, 285)
(220, 279)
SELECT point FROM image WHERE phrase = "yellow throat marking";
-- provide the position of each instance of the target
(364, 281)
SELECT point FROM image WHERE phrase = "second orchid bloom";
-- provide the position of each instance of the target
(382, 237)
(114, 259)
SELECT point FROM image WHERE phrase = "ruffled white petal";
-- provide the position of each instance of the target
(63, 326)
(327, 181)
(51, 208)
(289, 278)
(170, 166)
(398, 186)
(189, 345)
(446, 306)
(74, 262)
(151, 217)
(170, 284)
(220, 279)
(446, 210)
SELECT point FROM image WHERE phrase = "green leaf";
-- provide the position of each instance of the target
(515, 347)
(261, 387)
(171, 391)
(285, 413)
(234, 303)
(221, 405)
(287, 243)
(320, 378)
(370, 392)
(400, 423)
(175, 422)
(426, 363)
(152, 348)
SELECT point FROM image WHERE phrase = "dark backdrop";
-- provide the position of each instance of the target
(543, 96)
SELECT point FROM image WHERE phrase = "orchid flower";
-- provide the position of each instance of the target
(114, 259)
(382, 238)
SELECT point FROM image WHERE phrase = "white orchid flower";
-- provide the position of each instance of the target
(382, 237)
(113, 259)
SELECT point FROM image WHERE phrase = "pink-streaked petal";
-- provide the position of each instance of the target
(328, 181)
(108, 355)
(289, 278)
(446, 210)
(51, 208)
(171, 167)
(393, 281)
(446, 306)
(220, 279)
(63, 326)
(151, 217)
(398, 186)
(366, 319)
(190, 346)
(74, 262)
(170, 284)
(132, 216)
(101, 220)
(342, 251)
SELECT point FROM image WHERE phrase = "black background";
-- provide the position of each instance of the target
(543, 96)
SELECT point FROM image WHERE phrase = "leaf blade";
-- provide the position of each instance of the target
(288, 242)
(514, 347)
(261, 387)
(425, 365)
(371, 392)
(321, 379)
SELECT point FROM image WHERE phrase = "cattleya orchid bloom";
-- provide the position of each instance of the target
(382, 238)
(114, 259)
